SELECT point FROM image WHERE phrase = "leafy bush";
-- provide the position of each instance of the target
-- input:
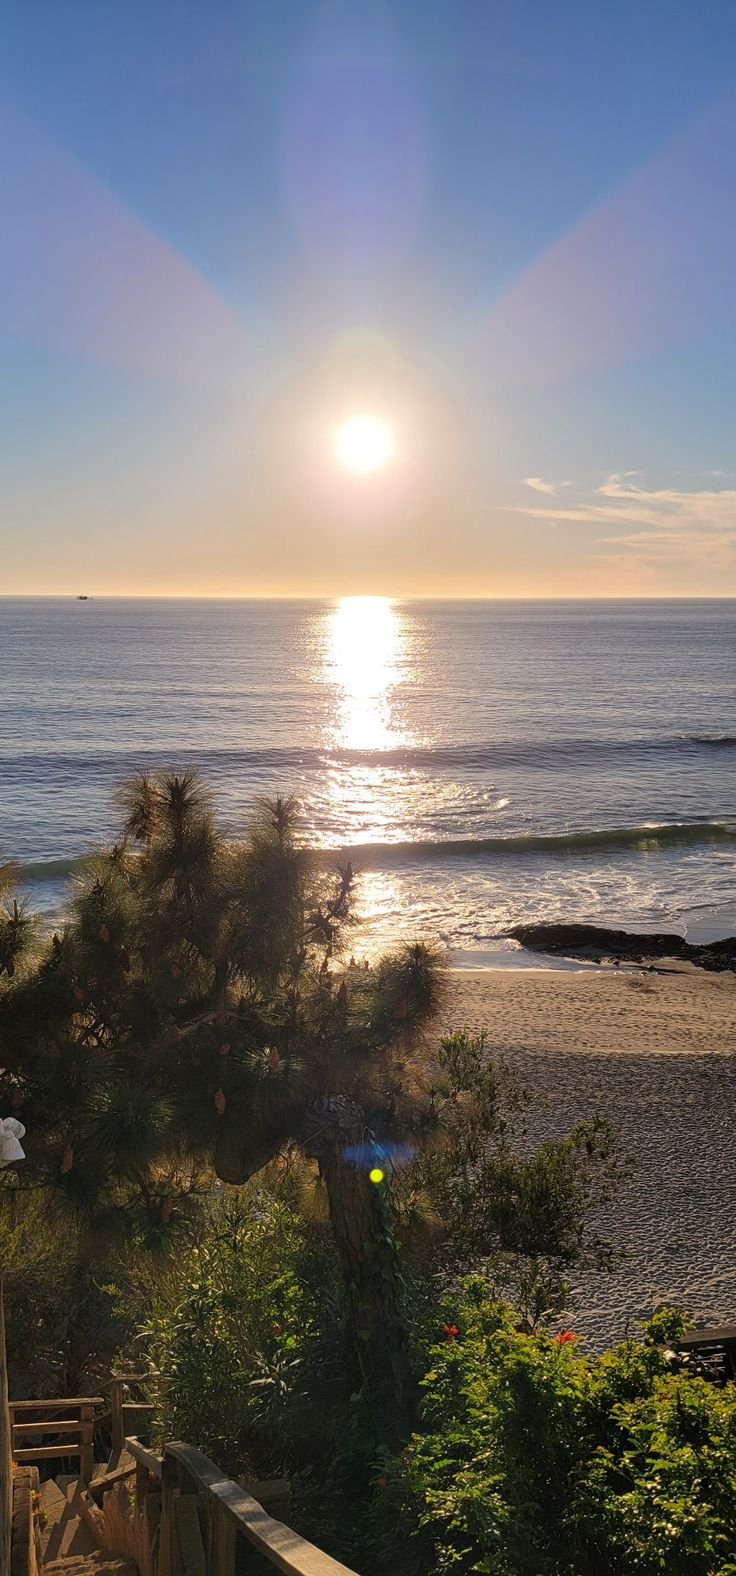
(237, 1328)
(63, 1326)
(533, 1459)
(478, 1197)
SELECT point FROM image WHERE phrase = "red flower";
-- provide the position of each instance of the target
(382, 1482)
(565, 1335)
(451, 1332)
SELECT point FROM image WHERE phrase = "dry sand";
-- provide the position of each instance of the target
(655, 1054)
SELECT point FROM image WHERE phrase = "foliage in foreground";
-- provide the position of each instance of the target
(195, 1015)
(533, 1460)
(242, 1331)
(528, 1457)
(192, 1016)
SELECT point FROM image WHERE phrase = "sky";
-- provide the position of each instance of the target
(504, 227)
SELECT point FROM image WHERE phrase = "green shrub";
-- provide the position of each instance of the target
(533, 1459)
(236, 1329)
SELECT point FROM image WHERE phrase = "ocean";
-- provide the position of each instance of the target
(487, 763)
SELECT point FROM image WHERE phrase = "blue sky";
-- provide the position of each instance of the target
(507, 227)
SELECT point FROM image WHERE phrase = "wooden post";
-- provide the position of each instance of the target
(142, 1482)
(86, 1443)
(189, 1534)
(168, 1544)
(6, 1459)
(222, 1540)
(116, 1414)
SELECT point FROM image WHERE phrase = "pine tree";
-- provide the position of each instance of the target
(194, 1015)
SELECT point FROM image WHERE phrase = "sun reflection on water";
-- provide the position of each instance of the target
(372, 792)
(365, 662)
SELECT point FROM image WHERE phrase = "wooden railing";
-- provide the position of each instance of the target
(69, 1436)
(6, 1459)
(204, 1516)
(41, 1430)
(124, 1412)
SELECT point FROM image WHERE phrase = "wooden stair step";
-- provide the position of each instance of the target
(83, 1506)
(91, 1565)
(64, 1533)
(52, 1496)
(55, 1508)
(67, 1533)
(73, 1539)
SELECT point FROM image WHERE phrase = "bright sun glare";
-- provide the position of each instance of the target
(364, 444)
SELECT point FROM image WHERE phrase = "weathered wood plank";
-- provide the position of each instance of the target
(108, 1478)
(145, 1457)
(168, 1545)
(282, 1547)
(189, 1531)
(23, 1555)
(86, 1454)
(56, 1404)
(151, 1504)
(84, 1507)
(67, 1425)
(6, 1464)
(222, 1540)
(117, 1430)
(47, 1452)
(279, 1544)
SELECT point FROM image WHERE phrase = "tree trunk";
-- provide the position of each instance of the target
(362, 1224)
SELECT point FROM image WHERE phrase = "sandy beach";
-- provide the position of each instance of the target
(654, 1054)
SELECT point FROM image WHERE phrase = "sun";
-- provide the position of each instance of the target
(364, 444)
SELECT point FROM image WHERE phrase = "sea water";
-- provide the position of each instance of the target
(485, 763)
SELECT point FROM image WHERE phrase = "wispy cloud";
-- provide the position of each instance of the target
(539, 485)
(653, 523)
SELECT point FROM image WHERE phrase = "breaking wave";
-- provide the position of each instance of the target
(648, 838)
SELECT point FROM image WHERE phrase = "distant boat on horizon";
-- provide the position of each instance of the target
(83, 598)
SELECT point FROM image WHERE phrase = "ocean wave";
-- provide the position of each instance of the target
(646, 837)
(50, 869)
(551, 753)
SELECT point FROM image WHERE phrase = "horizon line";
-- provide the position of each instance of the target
(340, 596)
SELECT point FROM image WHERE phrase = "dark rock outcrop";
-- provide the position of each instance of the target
(595, 942)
